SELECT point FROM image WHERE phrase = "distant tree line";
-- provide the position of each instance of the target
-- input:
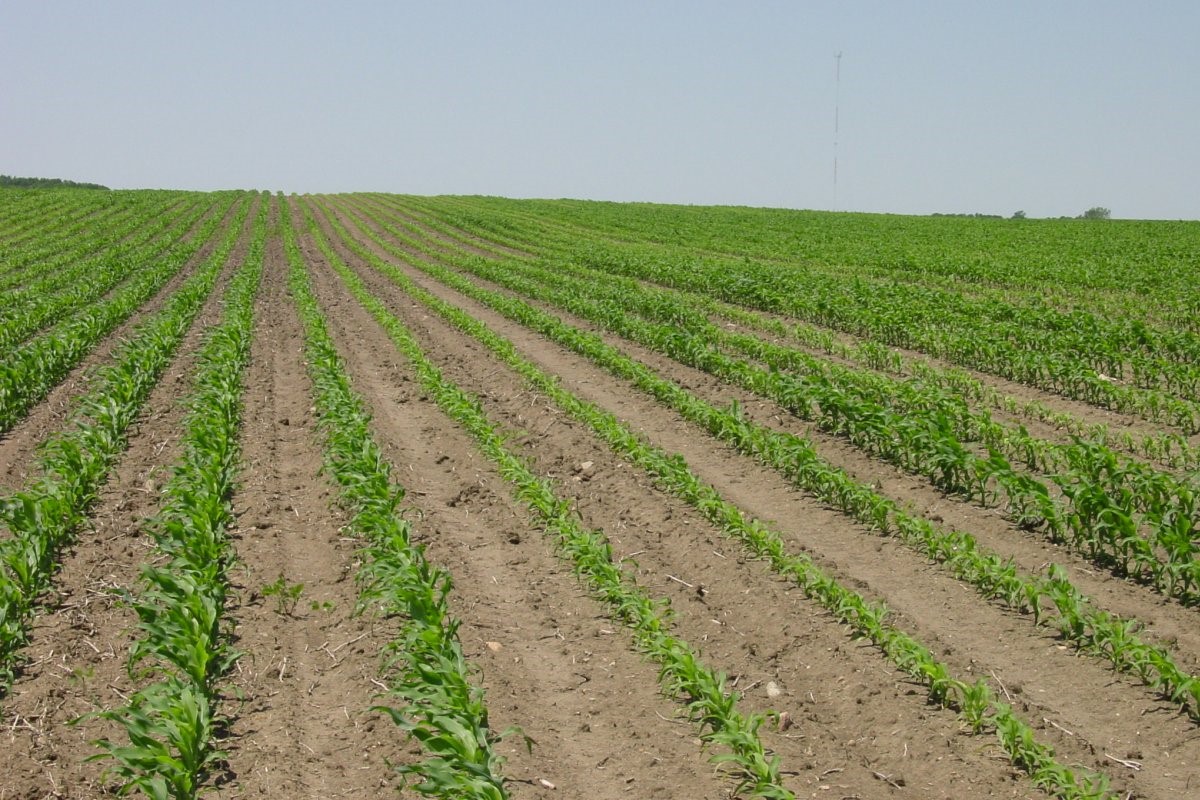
(46, 183)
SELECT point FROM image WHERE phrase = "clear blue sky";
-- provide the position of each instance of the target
(1050, 107)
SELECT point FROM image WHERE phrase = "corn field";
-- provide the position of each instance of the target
(465, 497)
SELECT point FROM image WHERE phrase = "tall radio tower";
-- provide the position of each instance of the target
(837, 93)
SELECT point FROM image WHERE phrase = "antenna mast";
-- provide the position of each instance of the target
(837, 93)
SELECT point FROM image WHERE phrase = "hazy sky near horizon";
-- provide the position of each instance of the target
(1048, 107)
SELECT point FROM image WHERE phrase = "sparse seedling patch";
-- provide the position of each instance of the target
(286, 595)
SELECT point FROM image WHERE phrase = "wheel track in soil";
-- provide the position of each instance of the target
(1087, 412)
(864, 717)
(79, 644)
(1017, 655)
(18, 447)
(573, 695)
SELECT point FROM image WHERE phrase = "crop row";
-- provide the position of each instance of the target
(428, 675)
(1170, 449)
(1076, 265)
(1048, 599)
(975, 701)
(34, 221)
(26, 214)
(62, 245)
(63, 263)
(1097, 268)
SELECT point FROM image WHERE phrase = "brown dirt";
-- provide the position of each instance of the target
(977, 638)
